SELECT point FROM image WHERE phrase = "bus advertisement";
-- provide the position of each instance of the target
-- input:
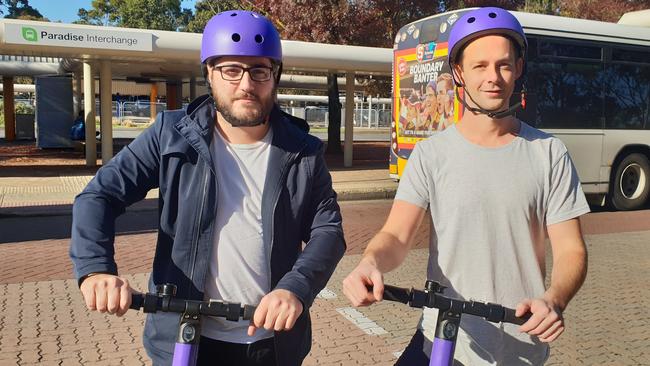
(587, 82)
(423, 90)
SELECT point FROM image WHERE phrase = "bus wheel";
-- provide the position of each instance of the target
(631, 185)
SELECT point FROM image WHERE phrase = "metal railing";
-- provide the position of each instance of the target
(363, 117)
(138, 113)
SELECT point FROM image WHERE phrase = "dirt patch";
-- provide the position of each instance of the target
(26, 154)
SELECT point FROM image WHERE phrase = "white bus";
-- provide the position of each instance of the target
(588, 83)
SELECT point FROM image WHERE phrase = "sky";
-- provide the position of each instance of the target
(66, 11)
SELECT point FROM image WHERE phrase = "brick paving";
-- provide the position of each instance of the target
(43, 320)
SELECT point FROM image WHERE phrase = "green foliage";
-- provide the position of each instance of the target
(541, 7)
(145, 14)
(23, 80)
(22, 108)
(102, 12)
(206, 9)
(149, 14)
(19, 9)
(19, 108)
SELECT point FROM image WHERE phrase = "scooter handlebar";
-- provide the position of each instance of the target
(152, 303)
(419, 299)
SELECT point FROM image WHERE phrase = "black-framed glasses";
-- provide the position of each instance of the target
(236, 72)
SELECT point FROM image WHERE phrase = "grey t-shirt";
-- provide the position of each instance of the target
(239, 268)
(489, 208)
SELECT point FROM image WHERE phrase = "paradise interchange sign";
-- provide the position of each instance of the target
(78, 37)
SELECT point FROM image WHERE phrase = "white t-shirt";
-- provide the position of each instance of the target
(489, 208)
(240, 266)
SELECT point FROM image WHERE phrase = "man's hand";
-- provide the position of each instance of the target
(355, 285)
(546, 322)
(278, 310)
(385, 252)
(107, 293)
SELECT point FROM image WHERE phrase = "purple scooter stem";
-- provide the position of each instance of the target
(442, 352)
(184, 354)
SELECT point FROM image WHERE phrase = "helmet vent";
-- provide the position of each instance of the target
(259, 38)
(233, 14)
(471, 20)
(492, 15)
(236, 37)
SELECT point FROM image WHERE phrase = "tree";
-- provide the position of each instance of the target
(333, 115)
(102, 12)
(605, 10)
(150, 14)
(146, 14)
(19, 9)
(549, 7)
(206, 9)
(382, 19)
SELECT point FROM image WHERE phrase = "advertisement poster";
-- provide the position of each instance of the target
(425, 89)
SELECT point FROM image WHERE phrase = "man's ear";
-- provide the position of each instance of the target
(519, 67)
(206, 74)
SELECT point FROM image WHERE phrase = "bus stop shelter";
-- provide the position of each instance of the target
(163, 55)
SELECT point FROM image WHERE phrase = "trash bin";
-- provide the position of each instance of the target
(25, 127)
(54, 114)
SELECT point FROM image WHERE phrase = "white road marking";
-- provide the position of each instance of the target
(357, 318)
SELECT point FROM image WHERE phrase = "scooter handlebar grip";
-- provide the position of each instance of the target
(137, 301)
(249, 311)
(509, 317)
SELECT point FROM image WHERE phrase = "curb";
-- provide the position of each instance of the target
(366, 194)
(64, 209)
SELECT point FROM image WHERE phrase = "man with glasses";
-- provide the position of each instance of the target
(242, 187)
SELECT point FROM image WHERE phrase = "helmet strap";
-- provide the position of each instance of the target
(279, 73)
(492, 113)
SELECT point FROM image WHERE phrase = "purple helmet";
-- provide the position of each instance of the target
(483, 21)
(240, 33)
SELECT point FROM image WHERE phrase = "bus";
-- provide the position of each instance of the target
(588, 83)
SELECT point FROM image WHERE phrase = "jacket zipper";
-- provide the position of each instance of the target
(275, 205)
(197, 227)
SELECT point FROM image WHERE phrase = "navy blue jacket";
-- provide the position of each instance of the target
(298, 205)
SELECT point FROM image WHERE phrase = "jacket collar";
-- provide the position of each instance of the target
(201, 113)
(196, 127)
(287, 135)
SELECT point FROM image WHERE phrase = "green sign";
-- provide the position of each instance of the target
(30, 34)
(60, 35)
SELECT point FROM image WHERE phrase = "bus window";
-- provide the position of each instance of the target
(575, 51)
(622, 55)
(565, 89)
(627, 91)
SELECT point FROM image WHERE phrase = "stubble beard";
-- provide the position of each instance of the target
(256, 119)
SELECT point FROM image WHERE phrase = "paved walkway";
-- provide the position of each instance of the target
(53, 195)
(30, 189)
(43, 320)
